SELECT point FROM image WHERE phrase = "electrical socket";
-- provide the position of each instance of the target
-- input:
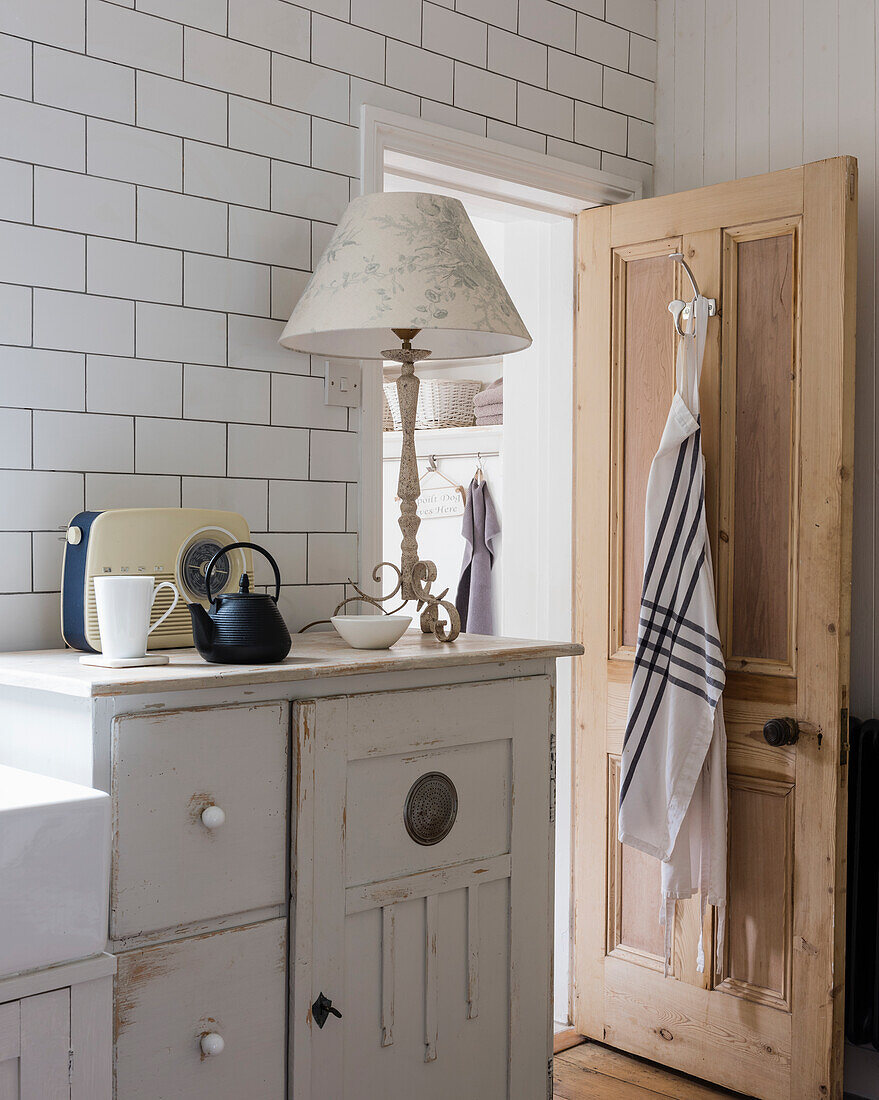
(342, 383)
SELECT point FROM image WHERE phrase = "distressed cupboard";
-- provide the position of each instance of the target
(372, 830)
(55, 1032)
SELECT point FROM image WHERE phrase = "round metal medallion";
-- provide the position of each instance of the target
(431, 808)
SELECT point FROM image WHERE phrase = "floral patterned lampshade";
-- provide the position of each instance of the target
(405, 260)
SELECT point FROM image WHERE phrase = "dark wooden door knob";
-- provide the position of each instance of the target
(781, 731)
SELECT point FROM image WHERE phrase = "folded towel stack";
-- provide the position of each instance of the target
(488, 405)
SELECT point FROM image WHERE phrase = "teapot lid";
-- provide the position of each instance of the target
(243, 590)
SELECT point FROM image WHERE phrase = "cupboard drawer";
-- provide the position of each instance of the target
(169, 867)
(170, 996)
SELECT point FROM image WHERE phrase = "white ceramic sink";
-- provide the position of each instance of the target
(54, 870)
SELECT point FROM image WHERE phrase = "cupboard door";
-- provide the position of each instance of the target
(778, 254)
(173, 866)
(91, 1039)
(436, 954)
(10, 1050)
(35, 1047)
(204, 1018)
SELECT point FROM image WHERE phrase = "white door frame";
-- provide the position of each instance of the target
(482, 166)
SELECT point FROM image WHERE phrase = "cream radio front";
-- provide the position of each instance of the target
(170, 544)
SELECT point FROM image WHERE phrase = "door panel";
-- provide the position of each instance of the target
(482, 776)
(632, 931)
(461, 1043)
(10, 1050)
(777, 252)
(35, 1047)
(646, 283)
(45, 1046)
(758, 955)
(760, 358)
(640, 879)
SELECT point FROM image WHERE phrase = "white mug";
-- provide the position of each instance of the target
(124, 606)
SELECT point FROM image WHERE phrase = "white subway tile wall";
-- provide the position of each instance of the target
(170, 170)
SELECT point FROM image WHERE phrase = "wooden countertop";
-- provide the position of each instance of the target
(313, 656)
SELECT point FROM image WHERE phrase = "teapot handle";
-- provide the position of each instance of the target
(240, 546)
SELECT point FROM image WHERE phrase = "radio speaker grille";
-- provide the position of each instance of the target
(175, 631)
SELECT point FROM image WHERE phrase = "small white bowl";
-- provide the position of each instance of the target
(371, 631)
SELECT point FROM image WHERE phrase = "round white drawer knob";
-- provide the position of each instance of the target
(212, 817)
(74, 535)
(212, 1043)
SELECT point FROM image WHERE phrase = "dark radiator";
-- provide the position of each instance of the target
(862, 925)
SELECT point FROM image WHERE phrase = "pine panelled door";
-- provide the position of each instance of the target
(778, 253)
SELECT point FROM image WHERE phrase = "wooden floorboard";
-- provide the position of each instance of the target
(564, 1040)
(595, 1072)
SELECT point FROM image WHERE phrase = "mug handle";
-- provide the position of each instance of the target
(161, 618)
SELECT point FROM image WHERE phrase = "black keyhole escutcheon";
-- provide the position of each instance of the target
(781, 731)
(322, 1009)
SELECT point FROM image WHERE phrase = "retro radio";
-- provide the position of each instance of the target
(170, 544)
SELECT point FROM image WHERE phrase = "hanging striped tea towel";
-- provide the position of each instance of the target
(673, 795)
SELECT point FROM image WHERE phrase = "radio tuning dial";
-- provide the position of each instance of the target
(194, 565)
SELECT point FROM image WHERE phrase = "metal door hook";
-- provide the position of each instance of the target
(683, 311)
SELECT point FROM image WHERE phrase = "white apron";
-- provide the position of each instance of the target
(673, 795)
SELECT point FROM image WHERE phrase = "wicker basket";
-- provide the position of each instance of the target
(442, 403)
(387, 416)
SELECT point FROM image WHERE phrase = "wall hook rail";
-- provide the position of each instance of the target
(683, 311)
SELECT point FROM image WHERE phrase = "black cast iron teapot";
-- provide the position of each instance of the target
(243, 627)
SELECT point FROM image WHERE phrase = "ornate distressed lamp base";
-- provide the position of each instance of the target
(414, 576)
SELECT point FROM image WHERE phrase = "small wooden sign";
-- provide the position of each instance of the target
(440, 503)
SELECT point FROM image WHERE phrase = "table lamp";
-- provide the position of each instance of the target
(408, 265)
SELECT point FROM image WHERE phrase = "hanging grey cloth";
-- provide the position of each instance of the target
(480, 528)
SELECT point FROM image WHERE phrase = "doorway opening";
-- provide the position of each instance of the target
(526, 468)
(523, 206)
